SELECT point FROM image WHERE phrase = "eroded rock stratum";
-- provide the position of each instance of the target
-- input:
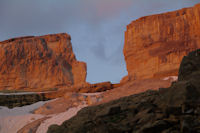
(155, 45)
(42, 62)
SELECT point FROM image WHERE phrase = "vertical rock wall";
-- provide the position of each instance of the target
(155, 45)
(42, 62)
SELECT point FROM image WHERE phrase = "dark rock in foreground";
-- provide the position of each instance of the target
(17, 100)
(170, 110)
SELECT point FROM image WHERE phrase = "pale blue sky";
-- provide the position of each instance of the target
(96, 27)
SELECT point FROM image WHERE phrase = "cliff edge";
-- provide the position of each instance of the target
(155, 45)
(41, 62)
(175, 109)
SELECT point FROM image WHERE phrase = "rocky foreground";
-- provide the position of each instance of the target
(175, 109)
(19, 100)
(155, 43)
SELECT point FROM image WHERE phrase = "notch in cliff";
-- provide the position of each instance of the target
(41, 62)
(155, 45)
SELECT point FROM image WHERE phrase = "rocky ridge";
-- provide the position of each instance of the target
(175, 109)
(19, 99)
(155, 45)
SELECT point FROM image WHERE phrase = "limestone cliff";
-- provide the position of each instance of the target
(155, 45)
(39, 63)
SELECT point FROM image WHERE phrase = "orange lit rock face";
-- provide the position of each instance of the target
(155, 45)
(39, 63)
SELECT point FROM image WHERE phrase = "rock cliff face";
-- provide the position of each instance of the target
(169, 110)
(16, 100)
(155, 45)
(39, 63)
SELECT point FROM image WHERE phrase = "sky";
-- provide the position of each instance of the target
(96, 27)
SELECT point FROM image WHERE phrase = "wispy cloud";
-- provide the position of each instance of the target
(96, 26)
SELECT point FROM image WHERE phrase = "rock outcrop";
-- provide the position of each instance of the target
(155, 45)
(42, 62)
(92, 88)
(19, 100)
(70, 100)
(175, 109)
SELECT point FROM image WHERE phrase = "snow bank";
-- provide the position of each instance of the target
(173, 78)
(59, 118)
(4, 111)
(11, 124)
(11, 120)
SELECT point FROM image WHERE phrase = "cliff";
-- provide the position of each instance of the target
(175, 109)
(42, 62)
(155, 45)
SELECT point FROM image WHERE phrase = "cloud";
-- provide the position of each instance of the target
(99, 50)
(96, 26)
(26, 17)
(106, 8)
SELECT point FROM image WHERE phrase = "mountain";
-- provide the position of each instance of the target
(175, 109)
(41, 62)
(155, 45)
(151, 99)
(155, 50)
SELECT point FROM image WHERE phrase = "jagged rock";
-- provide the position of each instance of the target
(12, 100)
(42, 62)
(69, 100)
(189, 65)
(92, 88)
(170, 110)
(69, 94)
(18, 100)
(155, 45)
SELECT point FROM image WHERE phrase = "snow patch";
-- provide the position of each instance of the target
(11, 124)
(59, 118)
(172, 78)
(12, 120)
(5, 111)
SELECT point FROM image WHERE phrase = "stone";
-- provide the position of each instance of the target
(155, 45)
(68, 95)
(168, 110)
(89, 100)
(92, 88)
(189, 64)
(173, 111)
(39, 62)
(114, 110)
(156, 127)
(19, 100)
